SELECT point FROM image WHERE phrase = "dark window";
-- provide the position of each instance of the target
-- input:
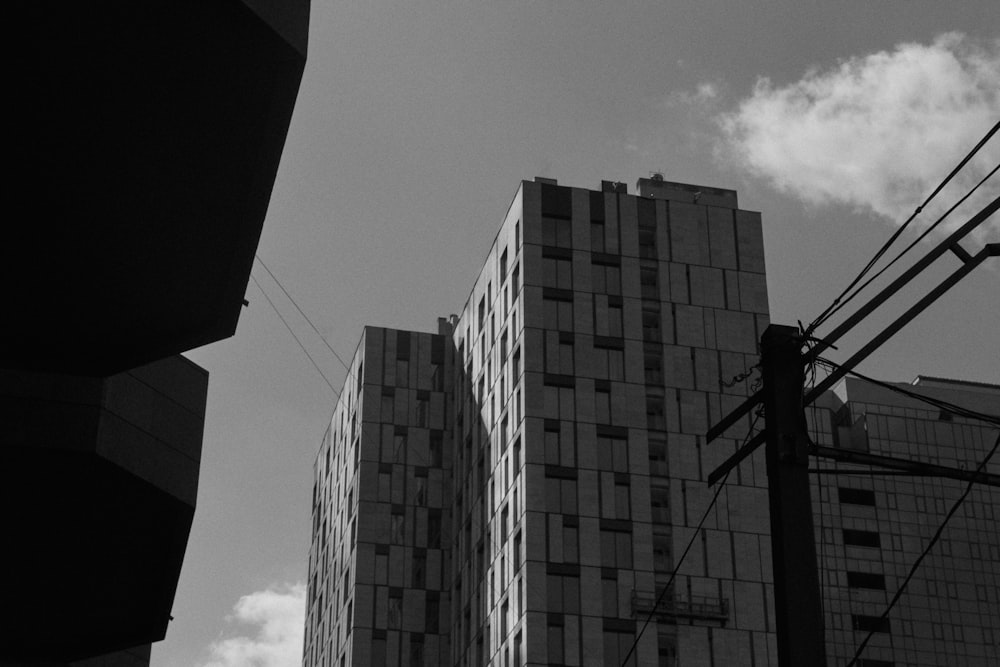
(870, 623)
(861, 538)
(873, 662)
(856, 496)
(503, 264)
(866, 580)
(557, 232)
(555, 642)
(557, 272)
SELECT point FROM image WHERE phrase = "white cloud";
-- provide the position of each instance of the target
(877, 132)
(278, 617)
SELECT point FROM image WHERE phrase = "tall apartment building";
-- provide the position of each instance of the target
(518, 488)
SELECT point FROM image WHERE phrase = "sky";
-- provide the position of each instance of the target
(415, 123)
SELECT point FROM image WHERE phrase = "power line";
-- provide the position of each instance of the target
(833, 310)
(694, 536)
(936, 402)
(302, 313)
(927, 549)
(301, 346)
(892, 239)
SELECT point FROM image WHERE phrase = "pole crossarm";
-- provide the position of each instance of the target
(989, 250)
(949, 244)
(913, 467)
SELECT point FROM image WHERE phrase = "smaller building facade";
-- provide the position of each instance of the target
(872, 526)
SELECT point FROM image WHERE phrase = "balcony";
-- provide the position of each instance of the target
(671, 609)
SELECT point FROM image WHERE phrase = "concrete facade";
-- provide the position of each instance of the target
(871, 528)
(578, 382)
(518, 488)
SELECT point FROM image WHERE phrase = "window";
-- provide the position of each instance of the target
(560, 495)
(515, 368)
(861, 538)
(557, 272)
(434, 528)
(616, 549)
(658, 458)
(419, 572)
(607, 315)
(555, 644)
(609, 593)
(865, 623)
(659, 500)
(602, 406)
(563, 592)
(615, 503)
(606, 278)
(597, 235)
(661, 553)
(570, 541)
(558, 352)
(612, 453)
(557, 232)
(866, 580)
(856, 496)
(558, 450)
(655, 416)
(503, 264)
(648, 282)
(651, 325)
(395, 619)
(557, 312)
(653, 365)
(416, 649)
(516, 461)
(559, 402)
(396, 526)
(616, 647)
(647, 242)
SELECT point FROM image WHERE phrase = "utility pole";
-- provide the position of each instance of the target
(797, 607)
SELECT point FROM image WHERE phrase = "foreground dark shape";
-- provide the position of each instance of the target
(146, 139)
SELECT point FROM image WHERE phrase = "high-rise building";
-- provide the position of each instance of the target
(521, 487)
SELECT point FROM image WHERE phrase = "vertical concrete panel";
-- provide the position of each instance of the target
(750, 241)
(721, 237)
(629, 227)
(689, 233)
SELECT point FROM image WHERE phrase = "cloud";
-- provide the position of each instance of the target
(877, 132)
(278, 616)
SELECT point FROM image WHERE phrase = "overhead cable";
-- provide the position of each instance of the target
(302, 313)
(937, 402)
(878, 255)
(834, 310)
(301, 346)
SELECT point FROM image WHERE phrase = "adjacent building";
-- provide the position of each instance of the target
(872, 526)
(148, 140)
(520, 487)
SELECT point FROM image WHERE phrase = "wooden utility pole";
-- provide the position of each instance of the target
(797, 609)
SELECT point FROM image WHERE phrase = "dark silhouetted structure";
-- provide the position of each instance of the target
(145, 141)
